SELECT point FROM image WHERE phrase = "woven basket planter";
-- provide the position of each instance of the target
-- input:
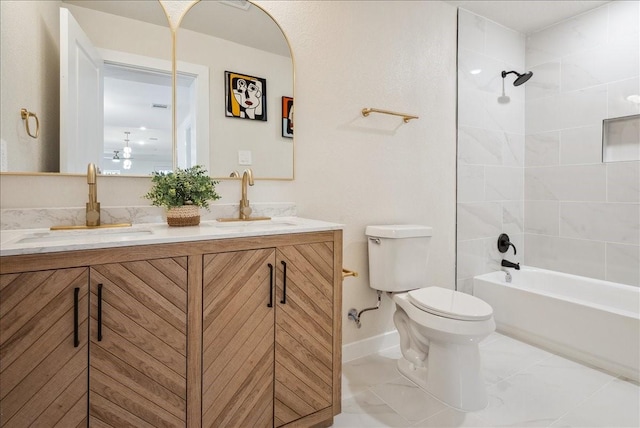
(186, 215)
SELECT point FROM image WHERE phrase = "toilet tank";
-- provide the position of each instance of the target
(398, 256)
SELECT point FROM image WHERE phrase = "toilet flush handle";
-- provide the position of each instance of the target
(375, 240)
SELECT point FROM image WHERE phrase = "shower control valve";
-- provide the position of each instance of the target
(504, 243)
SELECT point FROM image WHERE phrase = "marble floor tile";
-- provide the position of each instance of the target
(364, 373)
(411, 402)
(533, 388)
(453, 418)
(505, 356)
(539, 395)
(617, 404)
(368, 410)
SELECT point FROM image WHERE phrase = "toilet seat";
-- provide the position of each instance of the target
(450, 304)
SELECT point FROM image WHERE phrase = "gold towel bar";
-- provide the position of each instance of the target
(25, 115)
(347, 272)
(405, 117)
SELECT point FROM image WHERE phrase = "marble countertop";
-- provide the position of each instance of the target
(38, 241)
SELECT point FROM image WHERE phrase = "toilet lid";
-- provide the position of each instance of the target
(450, 304)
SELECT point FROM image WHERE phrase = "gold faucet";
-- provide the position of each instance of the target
(93, 206)
(245, 209)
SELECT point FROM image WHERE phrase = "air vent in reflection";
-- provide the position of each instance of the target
(165, 106)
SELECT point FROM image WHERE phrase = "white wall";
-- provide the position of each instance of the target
(357, 171)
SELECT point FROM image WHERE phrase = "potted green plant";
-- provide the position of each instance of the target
(183, 192)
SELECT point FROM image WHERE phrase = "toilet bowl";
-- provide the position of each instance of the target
(439, 328)
(440, 347)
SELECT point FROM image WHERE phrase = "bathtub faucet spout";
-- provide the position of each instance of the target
(507, 263)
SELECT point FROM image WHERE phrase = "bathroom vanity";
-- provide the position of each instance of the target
(216, 325)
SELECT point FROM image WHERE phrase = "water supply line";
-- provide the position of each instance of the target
(355, 315)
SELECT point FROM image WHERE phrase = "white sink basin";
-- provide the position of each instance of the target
(251, 225)
(76, 235)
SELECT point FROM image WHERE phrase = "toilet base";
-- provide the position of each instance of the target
(452, 375)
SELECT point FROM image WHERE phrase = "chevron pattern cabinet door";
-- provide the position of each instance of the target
(43, 373)
(138, 366)
(303, 358)
(238, 337)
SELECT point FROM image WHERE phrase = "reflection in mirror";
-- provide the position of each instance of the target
(240, 38)
(120, 32)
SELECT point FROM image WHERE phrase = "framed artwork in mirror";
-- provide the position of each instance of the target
(287, 117)
(245, 96)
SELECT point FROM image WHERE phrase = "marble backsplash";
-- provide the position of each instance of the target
(36, 218)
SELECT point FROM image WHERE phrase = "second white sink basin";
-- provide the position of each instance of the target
(74, 235)
(251, 225)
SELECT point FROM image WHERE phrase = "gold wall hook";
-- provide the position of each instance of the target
(25, 115)
(405, 117)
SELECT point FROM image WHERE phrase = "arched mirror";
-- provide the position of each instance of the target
(119, 118)
(242, 72)
(132, 134)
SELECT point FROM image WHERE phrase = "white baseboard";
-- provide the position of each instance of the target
(370, 345)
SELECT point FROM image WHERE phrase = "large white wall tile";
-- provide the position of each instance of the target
(504, 44)
(479, 220)
(478, 71)
(586, 107)
(542, 149)
(623, 263)
(608, 62)
(617, 103)
(471, 31)
(472, 258)
(471, 183)
(542, 115)
(542, 217)
(505, 117)
(576, 256)
(623, 181)
(513, 217)
(503, 183)
(477, 146)
(581, 145)
(566, 183)
(472, 111)
(610, 222)
(545, 81)
(513, 150)
(573, 35)
(624, 18)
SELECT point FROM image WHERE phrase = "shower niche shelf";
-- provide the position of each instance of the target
(621, 139)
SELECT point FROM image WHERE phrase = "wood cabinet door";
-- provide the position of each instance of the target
(304, 323)
(43, 348)
(137, 360)
(238, 341)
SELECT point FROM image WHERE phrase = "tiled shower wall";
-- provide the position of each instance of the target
(562, 207)
(490, 145)
(582, 216)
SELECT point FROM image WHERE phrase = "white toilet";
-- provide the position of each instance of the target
(439, 328)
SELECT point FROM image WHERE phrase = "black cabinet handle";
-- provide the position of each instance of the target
(284, 282)
(270, 304)
(99, 312)
(76, 339)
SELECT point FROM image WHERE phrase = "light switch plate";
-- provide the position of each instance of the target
(244, 157)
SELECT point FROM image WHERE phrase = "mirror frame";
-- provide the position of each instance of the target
(169, 12)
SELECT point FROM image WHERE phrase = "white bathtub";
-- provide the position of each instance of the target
(589, 320)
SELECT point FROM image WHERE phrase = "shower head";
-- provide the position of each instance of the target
(522, 78)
